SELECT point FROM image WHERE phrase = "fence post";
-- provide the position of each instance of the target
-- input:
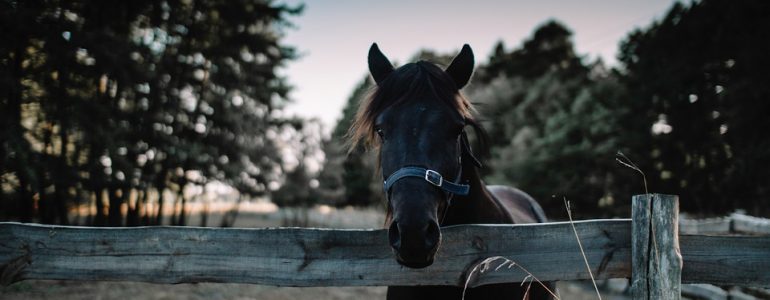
(656, 263)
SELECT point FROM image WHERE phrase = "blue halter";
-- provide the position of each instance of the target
(434, 177)
(430, 176)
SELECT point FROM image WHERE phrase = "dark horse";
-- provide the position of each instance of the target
(417, 118)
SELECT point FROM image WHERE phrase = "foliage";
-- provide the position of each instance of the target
(113, 103)
(349, 174)
(700, 75)
(687, 105)
(552, 122)
(301, 152)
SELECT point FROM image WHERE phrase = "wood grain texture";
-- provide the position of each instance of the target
(306, 257)
(656, 257)
(726, 260)
(641, 206)
(319, 257)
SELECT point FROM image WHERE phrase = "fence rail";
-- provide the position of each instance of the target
(735, 223)
(324, 257)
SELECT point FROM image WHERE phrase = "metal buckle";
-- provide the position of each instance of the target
(430, 176)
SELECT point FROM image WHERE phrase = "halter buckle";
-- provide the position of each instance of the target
(434, 178)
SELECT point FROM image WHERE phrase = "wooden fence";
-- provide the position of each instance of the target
(647, 249)
(736, 223)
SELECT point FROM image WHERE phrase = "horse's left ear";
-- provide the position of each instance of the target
(461, 67)
(379, 65)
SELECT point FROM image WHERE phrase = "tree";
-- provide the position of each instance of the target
(549, 49)
(699, 75)
(552, 122)
(349, 175)
(300, 187)
(119, 102)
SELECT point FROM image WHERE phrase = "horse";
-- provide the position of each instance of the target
(416, 118)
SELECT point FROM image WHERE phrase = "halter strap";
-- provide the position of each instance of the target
(430, 176)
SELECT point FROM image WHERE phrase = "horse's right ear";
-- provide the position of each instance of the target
(461, 67)
(379, 65)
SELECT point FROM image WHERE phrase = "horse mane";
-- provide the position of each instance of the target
(411, 81)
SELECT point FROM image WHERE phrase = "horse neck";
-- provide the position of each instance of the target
(479, 206)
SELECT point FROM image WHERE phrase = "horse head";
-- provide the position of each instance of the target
(416, 118)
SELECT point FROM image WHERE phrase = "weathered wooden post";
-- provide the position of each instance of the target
(656, 263)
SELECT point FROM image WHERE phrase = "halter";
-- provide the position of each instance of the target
(431, 176)
(434, 177)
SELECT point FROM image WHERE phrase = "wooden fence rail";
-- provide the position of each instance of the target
(735, 223)
(322, 257)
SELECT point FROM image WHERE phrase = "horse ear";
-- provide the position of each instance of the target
(461, 67)
(379, 65)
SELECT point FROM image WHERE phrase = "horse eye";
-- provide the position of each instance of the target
(380, 132)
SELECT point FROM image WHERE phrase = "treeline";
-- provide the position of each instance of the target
(120, 106)
(688, 104)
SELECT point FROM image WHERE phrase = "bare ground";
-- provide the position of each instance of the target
(70, 290)
(73, 290)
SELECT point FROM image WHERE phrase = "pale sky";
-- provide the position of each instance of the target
(333, 37)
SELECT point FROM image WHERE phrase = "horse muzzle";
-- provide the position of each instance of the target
(415, 243)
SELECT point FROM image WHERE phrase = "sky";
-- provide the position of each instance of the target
(334, 36)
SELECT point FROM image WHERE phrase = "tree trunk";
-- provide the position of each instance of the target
(205, 210)
(101, 218)
(182, 217)
(204, 214)
(61, 177)
(25, 199)
(228, 219)
(132, 214)
(161, 186)
(45, 206)
(144, 212)
(15, 130)
(116, 196)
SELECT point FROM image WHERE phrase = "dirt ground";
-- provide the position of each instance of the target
(73, 290)
(317, 217)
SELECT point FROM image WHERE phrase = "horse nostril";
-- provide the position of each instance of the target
(394, 236)
(432, 235)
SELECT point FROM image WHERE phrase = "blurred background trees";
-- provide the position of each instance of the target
(687, 103)
(699, 75)
(128, 105)
(113, 113)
